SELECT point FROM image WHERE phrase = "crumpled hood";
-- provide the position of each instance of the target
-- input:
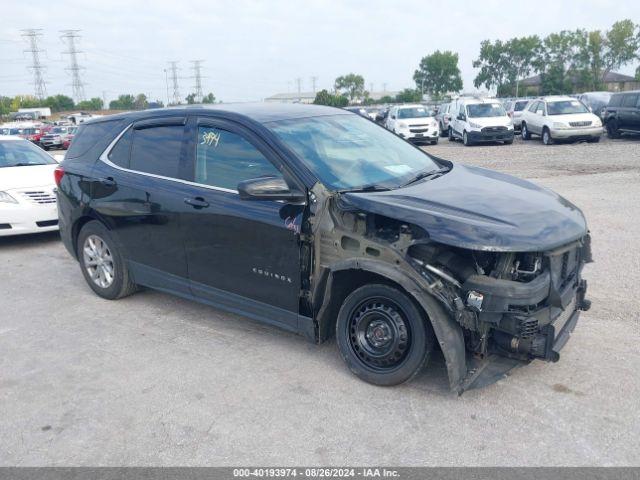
(27, 177)
(479, 209)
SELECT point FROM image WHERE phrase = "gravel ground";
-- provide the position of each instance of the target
(156, 380)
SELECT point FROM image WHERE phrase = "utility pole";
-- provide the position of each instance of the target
(197, 66)
(370, 88)
(299, 83)
(313, 83)
(384, 87)
(104, 100)
(77, 86)
(32, 35)
(174, 80)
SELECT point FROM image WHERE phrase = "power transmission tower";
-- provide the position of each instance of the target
(370, 87)
(299, 84)
(174, 80)
(197, 75)
(70, 36)
(32, 35)
(313, 83)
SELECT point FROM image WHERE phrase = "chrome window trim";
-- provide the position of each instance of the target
(104, 157)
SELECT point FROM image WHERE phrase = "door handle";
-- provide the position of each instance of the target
(196, 202)
(107, 182)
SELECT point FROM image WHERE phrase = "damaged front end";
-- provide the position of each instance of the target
(512, 307)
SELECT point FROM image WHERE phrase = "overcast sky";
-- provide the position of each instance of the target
(253, 49)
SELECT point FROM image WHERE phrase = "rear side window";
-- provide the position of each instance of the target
(119, 154)
(630, 100)
(224, 159)
(98, 134)
(615, 101)
(156, 150)
(519, 106)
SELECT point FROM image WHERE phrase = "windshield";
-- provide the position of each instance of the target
(59, 130)
(22, 153)
(347, 152)
(479, 110)
(413, 112)
(566, 107)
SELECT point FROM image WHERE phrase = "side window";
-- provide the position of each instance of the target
(119, 154)
(629, 100)
(97, 133)
(461, 111)
(615, 100)
(156, 150)
(224, 159)
(533, 107)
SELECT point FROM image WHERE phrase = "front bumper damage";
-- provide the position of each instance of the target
(527, 321)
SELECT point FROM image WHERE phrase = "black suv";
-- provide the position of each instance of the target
(318, 221)
(622, 115)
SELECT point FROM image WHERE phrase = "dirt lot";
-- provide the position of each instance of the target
(156, 380)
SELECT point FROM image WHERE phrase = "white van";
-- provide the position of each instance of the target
(477, 120)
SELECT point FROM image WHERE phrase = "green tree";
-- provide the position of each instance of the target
(438, 73)
(493, 65)
(557, 62)
(408, 95)
(5, 105)
(123, 102)
(351, 85)
(191, 98)
(323, 97)
(140, 102)
(387, 99)
(94, 104)
(209, 98)
(59, 103)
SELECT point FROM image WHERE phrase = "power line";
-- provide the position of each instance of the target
(32, 35)
(77, 86)
(174, 79)
(197, 66)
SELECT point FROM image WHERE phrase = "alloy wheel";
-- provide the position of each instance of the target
(98, 261)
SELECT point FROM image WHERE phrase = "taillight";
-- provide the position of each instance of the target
(58, 173)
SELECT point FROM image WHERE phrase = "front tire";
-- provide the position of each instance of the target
(382, 335)
(102, 264)
(612, 129)
(465, 139)
(435, 142)
(546, 136)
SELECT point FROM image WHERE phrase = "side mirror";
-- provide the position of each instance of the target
(393, 117)
(269, 188)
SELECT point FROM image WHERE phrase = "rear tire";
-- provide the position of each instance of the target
(594, 140)
(508, 142)
(103, 266)
(451, 137)
(526, 135)
(435, 142)
(382, 335)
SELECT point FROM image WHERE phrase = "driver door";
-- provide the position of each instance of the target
(242, 255)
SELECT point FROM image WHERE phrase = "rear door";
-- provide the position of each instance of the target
(628, 112)
(242, 255)
(139, 190)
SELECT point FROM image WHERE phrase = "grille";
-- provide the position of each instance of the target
(580, 124)
(528, 327)
(41, 197)
(418, 130)
(494, 129)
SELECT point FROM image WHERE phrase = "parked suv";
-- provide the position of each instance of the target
(478, 120)
(318, 221)
(622, 115)
(56, 137)
(443, 117)
(560, 118)
(414, 123)
(514, 109)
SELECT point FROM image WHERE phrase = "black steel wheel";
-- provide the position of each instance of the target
(382, 335)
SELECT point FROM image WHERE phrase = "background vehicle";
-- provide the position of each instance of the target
(560, 118)
(358, 110)
(514, 109)
(596, 101)
(622, 115)
(413, 122)
(27, 198)
(56, 137)
(479, 120)
(381, 116)
(443, 117)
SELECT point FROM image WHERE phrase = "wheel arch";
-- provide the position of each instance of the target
(346, 276)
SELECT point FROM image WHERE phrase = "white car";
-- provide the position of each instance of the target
(478, 120)
(413, 122)
(560, 118)
(27, 196)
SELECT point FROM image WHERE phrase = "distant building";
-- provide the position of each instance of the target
(309, 97)
(39, 113)
(613, 82)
